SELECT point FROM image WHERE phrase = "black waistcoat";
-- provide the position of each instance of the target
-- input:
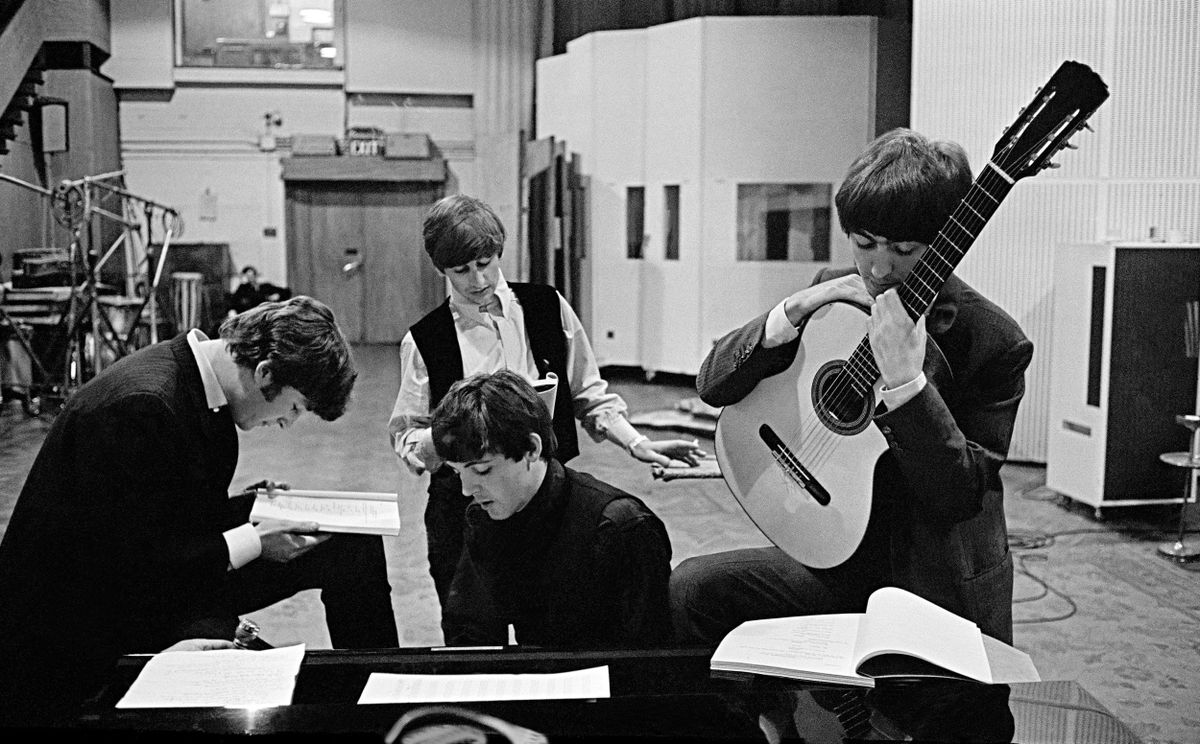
(437, 341)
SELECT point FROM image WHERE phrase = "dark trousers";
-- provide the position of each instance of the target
(445, 520)
(48, 667)
(349, 570)
(713, 594)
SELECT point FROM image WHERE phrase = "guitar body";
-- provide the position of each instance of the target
(830, 435)
(815, 534)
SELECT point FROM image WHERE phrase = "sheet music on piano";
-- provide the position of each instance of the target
(225, 678)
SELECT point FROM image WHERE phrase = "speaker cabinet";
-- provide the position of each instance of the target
(1120, 372)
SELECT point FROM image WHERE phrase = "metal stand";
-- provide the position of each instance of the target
(1179, 551)
(33, 394)
(89, 332)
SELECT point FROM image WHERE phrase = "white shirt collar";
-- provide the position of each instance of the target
(214, 396)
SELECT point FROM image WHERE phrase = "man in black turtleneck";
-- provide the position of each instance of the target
(559, 556)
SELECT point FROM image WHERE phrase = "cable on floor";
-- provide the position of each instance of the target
(1019, 540)
(1047, 589)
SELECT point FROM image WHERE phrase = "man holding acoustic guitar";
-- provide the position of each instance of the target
(919, 504)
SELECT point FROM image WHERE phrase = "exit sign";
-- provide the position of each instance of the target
(364, 147)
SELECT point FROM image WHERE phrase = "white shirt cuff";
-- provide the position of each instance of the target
(898, 396)
(244, 545)
(778, 329)
(622, 432)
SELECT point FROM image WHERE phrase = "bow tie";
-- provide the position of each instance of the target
(492, 306)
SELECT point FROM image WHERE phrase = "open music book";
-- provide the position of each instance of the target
(361, 512)
(900, 635)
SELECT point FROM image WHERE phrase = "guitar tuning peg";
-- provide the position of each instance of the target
(1070, 146)
(1088, 127)
(1051, 164)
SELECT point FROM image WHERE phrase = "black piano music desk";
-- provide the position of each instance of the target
(662, 695)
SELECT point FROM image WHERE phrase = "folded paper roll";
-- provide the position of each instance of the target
(547, 390)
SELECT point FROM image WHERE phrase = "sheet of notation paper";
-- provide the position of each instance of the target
(462, 688)
(225, 678)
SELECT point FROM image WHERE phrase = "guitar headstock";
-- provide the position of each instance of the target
(1059, 110)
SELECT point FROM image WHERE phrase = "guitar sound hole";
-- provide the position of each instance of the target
(839, 406)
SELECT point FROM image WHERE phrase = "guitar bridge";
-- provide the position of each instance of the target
(791, 465)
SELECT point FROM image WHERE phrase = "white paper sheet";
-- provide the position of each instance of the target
(463, 688)
(227, 678)
(335, 511)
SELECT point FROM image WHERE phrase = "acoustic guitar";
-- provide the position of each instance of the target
(799, 451)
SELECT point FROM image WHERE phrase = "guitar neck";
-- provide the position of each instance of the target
(957, 235)
(939, 261)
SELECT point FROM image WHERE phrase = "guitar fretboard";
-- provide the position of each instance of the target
(922, 285)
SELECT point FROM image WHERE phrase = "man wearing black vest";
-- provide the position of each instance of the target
(486, 325)
(563, 559)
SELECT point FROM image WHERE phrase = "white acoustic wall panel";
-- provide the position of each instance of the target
(705, 104)
(787, 100)
(975, 62)
(676, 75)
(1156, 78)
(1169, 206)
(554, 109)
(614, 158)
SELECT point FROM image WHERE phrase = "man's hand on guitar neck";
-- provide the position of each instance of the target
(897, 343)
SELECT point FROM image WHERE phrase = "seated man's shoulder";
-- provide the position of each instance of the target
(621, 507)
(627, 509)
(586, 483)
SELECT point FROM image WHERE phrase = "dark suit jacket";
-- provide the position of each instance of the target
(116, 538)
(937, 524)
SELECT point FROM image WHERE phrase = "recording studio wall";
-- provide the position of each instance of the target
(975, 62)
(459, 71)
(57, 47)
(704, 104)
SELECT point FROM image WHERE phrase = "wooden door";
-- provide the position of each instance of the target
(400, 283)
(325, 240)
(356, 246)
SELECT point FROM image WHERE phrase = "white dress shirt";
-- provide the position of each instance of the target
(243, 541)
(490, 343)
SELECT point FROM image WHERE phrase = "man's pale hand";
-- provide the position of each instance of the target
(663, 451)
(200, 644)
(849, 288)
(285, 541)
(268, 485)
(897, 342)
(420, 456)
